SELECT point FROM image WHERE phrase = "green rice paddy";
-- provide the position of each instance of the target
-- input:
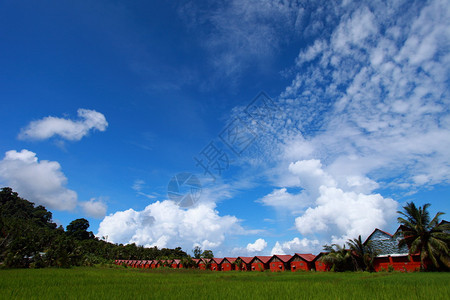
(126, 283)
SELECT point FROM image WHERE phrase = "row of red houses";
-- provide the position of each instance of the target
(390, 257)
(242, 263)
(275, 263)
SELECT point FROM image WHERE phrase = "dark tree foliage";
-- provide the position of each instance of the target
(29, 238)
(78, 229)
(197, 252)
(207, 254)
(428, 237)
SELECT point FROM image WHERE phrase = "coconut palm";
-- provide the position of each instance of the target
(362, 254)
(339, 257)
(429, 238)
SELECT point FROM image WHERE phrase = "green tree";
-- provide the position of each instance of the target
(339, 257)
(362, 254)
(78, 229)
(197, 252)
(207, 254)
(429, 238)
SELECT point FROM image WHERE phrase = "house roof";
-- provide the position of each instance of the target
(306, 257)
(319, 256)
(263, 259)
(246, 259)
(230, 259)
(217, 260)
(283, 258)
(376, 229)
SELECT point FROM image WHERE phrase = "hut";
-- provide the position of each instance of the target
(176, 263)
(260, 263)
(227, 264)
(280, 262)
(245, 264)
(203, 263)
(215, 264)
(302, 262)
(319, 265)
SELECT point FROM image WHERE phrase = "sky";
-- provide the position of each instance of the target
(245, 127)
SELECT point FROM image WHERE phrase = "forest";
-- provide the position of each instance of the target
(30, 238)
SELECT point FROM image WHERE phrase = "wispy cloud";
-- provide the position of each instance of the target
(238, 34)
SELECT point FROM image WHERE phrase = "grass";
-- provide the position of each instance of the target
(121, 283)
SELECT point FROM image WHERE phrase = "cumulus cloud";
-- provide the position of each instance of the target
(165, 224)
(65, 128)
(258, 246)
(94, 208)
(296, 245)
(41, 182)
(338, 212)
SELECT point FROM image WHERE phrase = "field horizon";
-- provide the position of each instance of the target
(126, 283)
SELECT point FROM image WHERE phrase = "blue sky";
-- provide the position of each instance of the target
(104, 103)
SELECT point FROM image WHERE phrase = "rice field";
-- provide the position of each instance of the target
(125, 283)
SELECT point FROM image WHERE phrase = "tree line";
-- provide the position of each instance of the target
(29, 238)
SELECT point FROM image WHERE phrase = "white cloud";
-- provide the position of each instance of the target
(258, 246)
(337, 212)
(282, 199)
(65, 128)
(165, 224)
(41, 182)
(296, 245)
(242, 33)
(94, 208)
(277, 249)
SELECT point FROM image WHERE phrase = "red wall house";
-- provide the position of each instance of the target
(302, 262)
(227, 264)
(153, 264)
(280, 263)
(146, 264)
(202, 263)
(175, 264)
(399, 262)
(260, 263)
(246, 263)
(319, 265)
(215, 264)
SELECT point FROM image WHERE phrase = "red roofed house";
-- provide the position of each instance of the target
(215, 263)
(260, 263)
(280, 263)
(147, 264)
(227, 264)
(176, 263)
(246, 263)
(320, 265)
(202, 263)
(302, 262)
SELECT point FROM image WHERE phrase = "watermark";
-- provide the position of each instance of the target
(239, 134)
(185, 189)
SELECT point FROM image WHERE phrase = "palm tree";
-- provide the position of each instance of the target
(429, 238)
(362, 255)
(338, 257)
